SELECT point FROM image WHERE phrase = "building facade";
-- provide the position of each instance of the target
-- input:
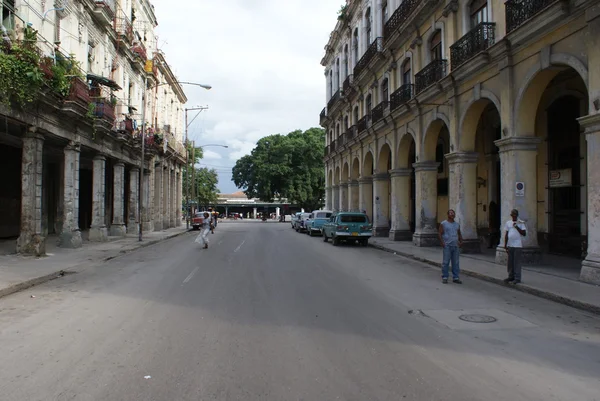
(72, 160)
(481, 106)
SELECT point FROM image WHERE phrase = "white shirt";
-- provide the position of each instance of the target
(514, 237)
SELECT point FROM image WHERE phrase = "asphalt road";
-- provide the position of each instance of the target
(269, 314)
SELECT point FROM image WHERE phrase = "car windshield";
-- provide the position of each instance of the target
(323, 215)
(353, 218)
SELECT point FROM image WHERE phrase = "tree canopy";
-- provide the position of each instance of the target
(205, 191)
(285, 166)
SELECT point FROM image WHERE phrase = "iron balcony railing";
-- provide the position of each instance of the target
(108, 5)
(399, 17)
(474, 42)
(347, 83)
(361, 125)
(326, 150)
(323, 115)
(350, 133)
(370, 54)
(519, 11)
(377, 113)
(333, 100)
(333, 146)
(402, 95)
(342, 140)
(432, 73)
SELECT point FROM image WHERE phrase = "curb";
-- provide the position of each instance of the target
(72, 269)
(521, 287)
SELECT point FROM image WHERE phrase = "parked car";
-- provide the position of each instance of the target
(316, 221)
(302, 219)
(197, 220)
(347, 226)
(296, 220)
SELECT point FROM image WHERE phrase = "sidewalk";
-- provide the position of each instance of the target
(542, 281)
(20, 272)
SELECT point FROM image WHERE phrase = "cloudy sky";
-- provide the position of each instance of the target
(262, 58)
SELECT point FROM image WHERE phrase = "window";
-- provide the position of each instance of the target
(7, 8)
(345, 123)
(337, 74)
(406, 72)
(355, 45)
(368, 27)
(330, 83)
(385, 90)
(435, 44)
(346, 61)
(323, 215)
(353, 218)
(478, 12)
(368, 105)
(337, 131)
(355, 114)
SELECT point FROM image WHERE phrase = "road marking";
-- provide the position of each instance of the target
(188, 278)
(238, 248)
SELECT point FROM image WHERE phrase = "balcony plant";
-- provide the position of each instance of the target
(342, 12)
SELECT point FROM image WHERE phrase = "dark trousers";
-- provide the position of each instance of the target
(514, 263)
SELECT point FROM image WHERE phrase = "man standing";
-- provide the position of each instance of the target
(515, 229)
(450, 239)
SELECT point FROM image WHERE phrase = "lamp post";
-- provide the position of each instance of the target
(141, 179)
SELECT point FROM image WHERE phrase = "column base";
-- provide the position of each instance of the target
(133, 228)
(118, 230)
(98, 234)
(590, 269)
(165, 225)
(148, 226)
(179, 222)
(158, 225)
(531, 256)
(28, 244)
(401, 235)
(426, 239)
(471, 246)
(70, 239)
(381, 231)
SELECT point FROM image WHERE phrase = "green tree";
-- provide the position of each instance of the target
(285, 166)
(206, 186)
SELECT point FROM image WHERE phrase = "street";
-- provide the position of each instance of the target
(269, 314)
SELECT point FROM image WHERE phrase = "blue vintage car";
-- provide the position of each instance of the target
(316, 220)
(349, 227)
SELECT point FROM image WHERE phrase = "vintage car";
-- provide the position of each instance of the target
(316, 220)
(302, 219)
(296, 220)
(349, 227)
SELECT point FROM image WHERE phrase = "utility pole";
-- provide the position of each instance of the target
(187, 175)
(193, 171)
(141, 179)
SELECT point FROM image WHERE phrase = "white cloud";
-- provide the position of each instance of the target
(209, 154)
(261, 58)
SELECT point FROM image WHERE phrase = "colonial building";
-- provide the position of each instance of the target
(71, 158)
(481, 106)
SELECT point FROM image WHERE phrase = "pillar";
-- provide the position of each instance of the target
(179, 198)
(118, 228)
(329, 198)
(133, 223)
(277, 213)
(172, 197)
(463, 197)
(70, 236)
(518, 159)
(343, 197)
(590, 267)
(353, 196)
(254, 213)
(336, 197)
(31, 240)
(166, 197)
(400, 230)
(98, 231)
(426, 233)
(148, 201)
(381, 202)
(365, 195)
(158, 196)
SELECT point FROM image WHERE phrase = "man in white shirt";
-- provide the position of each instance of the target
(515, 229)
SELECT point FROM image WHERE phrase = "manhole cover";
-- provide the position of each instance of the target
(478, 318)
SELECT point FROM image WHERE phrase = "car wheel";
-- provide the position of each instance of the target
(324, 237)
(335, 241)
(365, 242)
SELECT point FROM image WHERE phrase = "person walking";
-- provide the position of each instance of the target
(451, 240)
(206, 228)
(513, 243)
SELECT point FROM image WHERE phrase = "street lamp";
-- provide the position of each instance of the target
(141, 178)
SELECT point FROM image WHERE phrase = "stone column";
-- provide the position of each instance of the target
(31, 240)
(254, 213)
(179, 187)
(328, 198)
(400, 230)
(70, 236)
(148, 201)
(426, 233)
(381, 201)
(518, 157)
(133, 224)
(463, 197)
(365, 196)
(353, 196)
(344, 197)
(336, 197)
(166, 196)
(590, 267)
(98, 231)
(118, 228)
(277, 213)
(158, 196)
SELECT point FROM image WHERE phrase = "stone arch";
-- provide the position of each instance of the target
(404, 149)
(430, 139)
(384, 161)
(355, 172)
(368, 165)
(336, 178)
(345, 172)
(330, 177)
(533, 87)
(470, 119)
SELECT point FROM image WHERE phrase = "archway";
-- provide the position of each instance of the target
(329, 194)
(336, 189)
(344, 206)
(403, 191)
(382, 193)
(366, 186)
(353, 186)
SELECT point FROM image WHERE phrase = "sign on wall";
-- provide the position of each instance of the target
(519, 188)
(561, 178)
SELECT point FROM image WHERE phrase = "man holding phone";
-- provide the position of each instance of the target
(513, 244)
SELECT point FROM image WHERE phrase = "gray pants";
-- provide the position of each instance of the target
(514, 263)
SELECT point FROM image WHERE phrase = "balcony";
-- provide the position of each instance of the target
(347, 87)
(77, 101)
(350, 134)
(474, 42)
(374, 49)
(378, 111)
(361, 125)
(140, 50)
(399, 17)
(323, 116)
(326, 150)
(432, 73)
(105, 11)
(333, 146)
(124, 30)
(519, 11)
(331, 103)
(402, 95)
(105, 110)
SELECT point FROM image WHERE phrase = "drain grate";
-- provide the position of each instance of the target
(475, 318)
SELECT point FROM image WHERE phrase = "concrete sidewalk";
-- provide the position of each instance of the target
(535, 281)
(19, 272)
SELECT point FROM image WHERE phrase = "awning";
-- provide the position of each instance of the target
(103, 81)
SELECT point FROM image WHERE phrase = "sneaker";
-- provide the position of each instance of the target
(457, 281)
(515, 281)
(508, 280)
(445, 281)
